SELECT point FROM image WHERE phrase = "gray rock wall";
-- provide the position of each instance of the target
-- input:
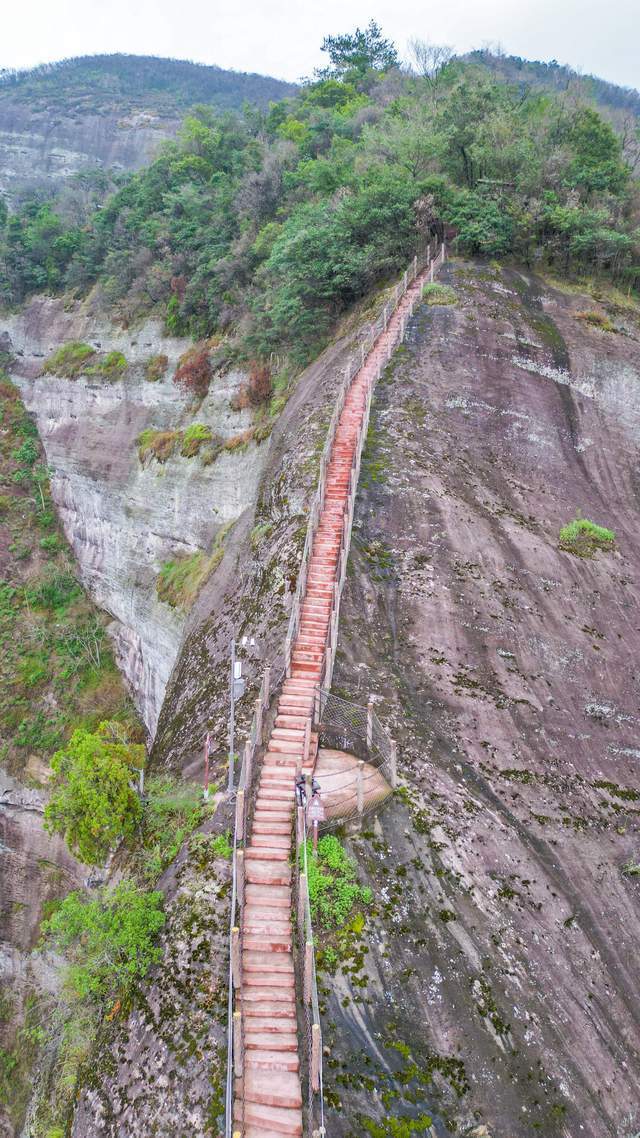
(122, 519)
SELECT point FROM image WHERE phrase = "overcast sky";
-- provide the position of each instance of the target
(282, 37)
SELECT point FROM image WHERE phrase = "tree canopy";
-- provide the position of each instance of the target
(263, 228)
(93, 803)
(352, 56)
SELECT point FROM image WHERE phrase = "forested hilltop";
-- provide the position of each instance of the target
(275, 221)
(100, 83)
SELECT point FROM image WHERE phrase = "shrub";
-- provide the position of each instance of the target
(239, 441)
(194, 370)
(92, 803)
(70, 360)
(333, 889)
(584, 538)
(597, 320)
(260, 384)
(193, 439)
(436, 294)
(109, 940)
(111, 366)
(155, 368)
(157, 444)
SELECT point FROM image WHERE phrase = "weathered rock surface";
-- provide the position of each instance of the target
(495, 986)
(122, 519)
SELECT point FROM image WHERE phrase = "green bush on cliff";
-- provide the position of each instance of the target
(93, 803)
(584, 538)
(70, 361)
(109, 940)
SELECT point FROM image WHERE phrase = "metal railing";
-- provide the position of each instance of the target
(242, 827)
(431, 261)
(376, 737)
(305, 965)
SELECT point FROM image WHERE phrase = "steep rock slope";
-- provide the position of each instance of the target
(495, 986)
(125, 519)
(106, 112)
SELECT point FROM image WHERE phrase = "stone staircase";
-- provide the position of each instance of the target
(268, 1095)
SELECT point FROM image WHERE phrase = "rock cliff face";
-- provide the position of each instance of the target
(124, 519)
(37, 154)
(495, 986)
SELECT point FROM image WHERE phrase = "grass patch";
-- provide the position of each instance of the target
(584, 538)
(438, 294)
(70, 360)
(155, 368)
(334, 892)
(180, 581)
(111, 366)
(157, 444)
(174, 810)
(193, 439)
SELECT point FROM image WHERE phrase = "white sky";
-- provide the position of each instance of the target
(282, 38)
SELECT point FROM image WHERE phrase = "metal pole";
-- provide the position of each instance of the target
(207, 743)
(232, 717)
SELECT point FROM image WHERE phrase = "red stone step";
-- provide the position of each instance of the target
(272, 978)
(276, 1011)
(276, 841)
(270, 1088)
(265, 962)
(267, 873)
(271, 1027)
(268, 994)
(271, 1040)
(276, 897)
(271, 943)
(265, 853)
(281, 1122)
(263, 1060)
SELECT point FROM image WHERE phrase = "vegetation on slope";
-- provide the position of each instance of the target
(58, 672)
(272, 224)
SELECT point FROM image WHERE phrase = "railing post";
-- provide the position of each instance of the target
(300, 825)
(393, 765)
(266, 686)
(258, 715)
(235, 958)
(360, 787)
(316, 705)
(302, 900)
(238, 1057)
(308, 970)
(315, 1057)
(307, 740)
(240, 815)
(240, 876)
(369, 723)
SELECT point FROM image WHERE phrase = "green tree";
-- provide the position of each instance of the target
(109, 940)
(352, 56)
(93, 803)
